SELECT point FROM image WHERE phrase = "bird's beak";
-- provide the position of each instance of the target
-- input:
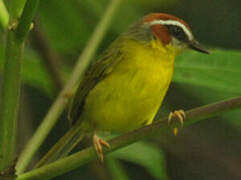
(198, 47)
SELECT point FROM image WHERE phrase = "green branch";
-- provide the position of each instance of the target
(10, 100)
(26, 19)
(11, 81)
(161, 126)
(61, 101)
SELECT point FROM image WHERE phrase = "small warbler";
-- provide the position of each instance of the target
(124, 89)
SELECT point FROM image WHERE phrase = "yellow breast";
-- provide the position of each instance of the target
(132, 94)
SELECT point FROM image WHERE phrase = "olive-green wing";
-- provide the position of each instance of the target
(96, 73)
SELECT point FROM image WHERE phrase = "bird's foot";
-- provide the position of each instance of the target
(180, 114)
(98, 142)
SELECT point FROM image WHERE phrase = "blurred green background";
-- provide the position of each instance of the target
(207, 150)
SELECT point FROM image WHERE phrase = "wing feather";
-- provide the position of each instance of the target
(95, 73)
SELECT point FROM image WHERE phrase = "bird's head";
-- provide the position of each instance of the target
(169, 30)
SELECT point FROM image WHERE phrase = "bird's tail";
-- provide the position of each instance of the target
(64, 146)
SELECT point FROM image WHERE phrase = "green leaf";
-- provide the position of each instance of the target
(67, 29)
(210, 78)
(144, 154)
(116, 169)
(34, 73)
(220, 70)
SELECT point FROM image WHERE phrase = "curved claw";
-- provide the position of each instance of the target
(180, 114)
(98, 142)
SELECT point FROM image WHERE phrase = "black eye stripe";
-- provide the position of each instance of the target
(177, 32)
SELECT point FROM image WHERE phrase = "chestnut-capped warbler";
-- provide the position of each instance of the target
(125, 87)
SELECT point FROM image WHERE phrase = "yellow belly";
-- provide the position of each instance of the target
(130, 96)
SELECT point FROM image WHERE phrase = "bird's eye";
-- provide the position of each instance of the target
(177, 32)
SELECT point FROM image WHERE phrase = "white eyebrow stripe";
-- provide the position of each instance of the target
(175, 23)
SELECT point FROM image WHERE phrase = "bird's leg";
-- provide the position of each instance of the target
(180, 114)
(98, 142)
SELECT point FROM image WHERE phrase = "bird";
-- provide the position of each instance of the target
(125, 87)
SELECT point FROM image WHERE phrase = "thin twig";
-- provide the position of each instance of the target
(57, 108)
(161, 126)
